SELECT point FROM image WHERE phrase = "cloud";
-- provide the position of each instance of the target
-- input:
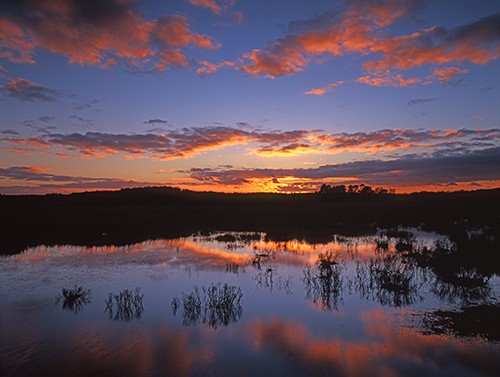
(360, 29)
(333, 34)
(444, 75)
(26, 90)
(476, 43)
(9, 131)
(187, 142)
(155, 121)
(410, 171)
(45, 118)
(216, 6)
(387, 80)
(89, 105)
(325, 89)
(91, 33)
(86, 123)
(41, 181)
(418, 101)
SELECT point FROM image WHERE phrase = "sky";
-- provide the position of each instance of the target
(247, 96)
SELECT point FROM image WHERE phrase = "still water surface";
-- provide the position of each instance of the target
(237, 304)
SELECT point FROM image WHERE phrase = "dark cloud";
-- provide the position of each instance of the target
(9, 132)
(41, 181)
(463, 167)
(186, 142)
(418, 101)
(82, 121)
(155, 121)
(485, 30)
(26, 90)
(29, 173)
(45, 119)
(86, 105)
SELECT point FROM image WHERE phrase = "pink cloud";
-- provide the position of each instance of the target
(449, 73)
(27, 90)
(358, 30)
(347, 32)
(187, 142)
(325, 89)
(90, 34)
(216, 6)
(476, 43)
(412, 171)
(387, 80)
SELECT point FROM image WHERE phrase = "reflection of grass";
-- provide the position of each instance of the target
(125, 306)
(388, 280)
(74, 299)
(472, 321)
(324, 283)
(216, 305)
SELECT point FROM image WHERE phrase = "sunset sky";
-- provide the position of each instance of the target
(241, 96)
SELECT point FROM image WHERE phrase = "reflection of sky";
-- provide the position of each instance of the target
(280, 330)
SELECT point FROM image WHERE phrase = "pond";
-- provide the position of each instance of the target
(240, 304)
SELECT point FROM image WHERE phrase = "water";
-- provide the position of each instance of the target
(237, 304)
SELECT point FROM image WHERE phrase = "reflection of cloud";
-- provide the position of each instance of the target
(91, 32)
(386, 350)
(94, 349)
(26, 90)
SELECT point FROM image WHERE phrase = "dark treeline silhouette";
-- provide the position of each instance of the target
(361, 189)
(134, 215)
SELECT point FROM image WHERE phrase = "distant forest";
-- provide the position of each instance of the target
(134, 215)
(361, 189)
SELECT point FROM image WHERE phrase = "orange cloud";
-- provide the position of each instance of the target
(325, 89)
(385, 350)
(29, 91)
(439, 170)
(216, 6)
(476, 42)
(93, 34)
(15, 44)
(357, 30)
(388, 80)
(449, 73)
(347, 32)
(187, 142)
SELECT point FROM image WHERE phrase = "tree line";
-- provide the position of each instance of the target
(361, 189)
